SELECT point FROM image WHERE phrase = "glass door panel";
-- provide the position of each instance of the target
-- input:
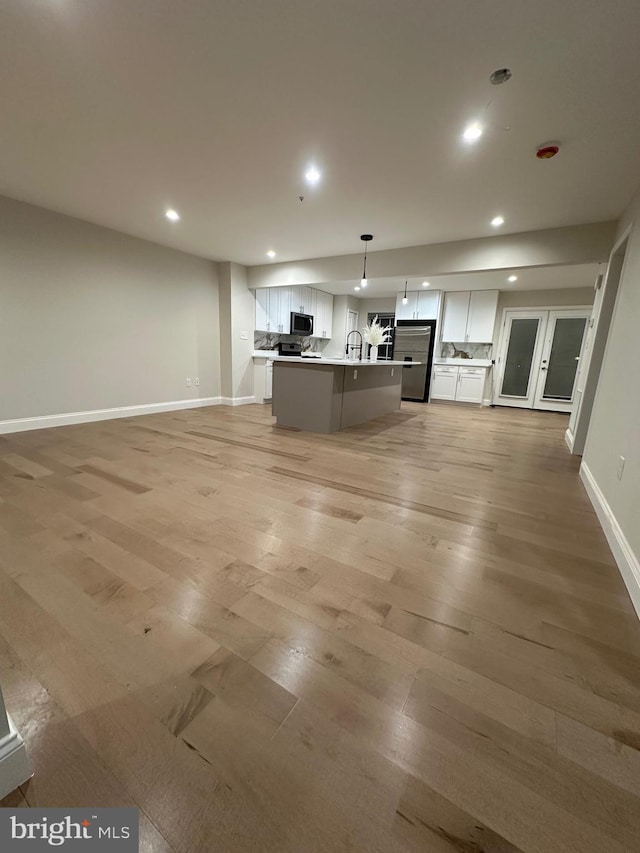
(563, 358)
(560, 358)
(520, 350)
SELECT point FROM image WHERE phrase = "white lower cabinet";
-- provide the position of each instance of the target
(462, 384)
(445, 380)
(470, 384)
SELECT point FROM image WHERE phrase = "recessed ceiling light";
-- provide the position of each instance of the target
(173, 215)
(356, 287)
(497, 221)
(312, 175)
(512, 278)
(425, 284)
(271, 253)
(472, 132)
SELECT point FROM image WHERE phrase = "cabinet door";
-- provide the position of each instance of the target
(301, 299)
(428, 305)
(444, 383)
(408, 311)
(328, 318)
(262, 309)
(470, 385)
(456, 311)
(281, 310)
(318, 315)
(323, 317)
(482, 316)
(311, 302)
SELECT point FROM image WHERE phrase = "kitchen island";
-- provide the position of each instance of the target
(327, 395)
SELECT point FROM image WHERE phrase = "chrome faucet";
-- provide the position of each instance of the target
(354, 346)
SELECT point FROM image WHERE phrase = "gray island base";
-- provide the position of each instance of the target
(323, 395)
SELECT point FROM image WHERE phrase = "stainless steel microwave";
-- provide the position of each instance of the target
(301, 324)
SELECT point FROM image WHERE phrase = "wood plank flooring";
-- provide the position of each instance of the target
(408, 636)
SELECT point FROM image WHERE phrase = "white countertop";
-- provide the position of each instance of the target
(345, 362)
(463, 362)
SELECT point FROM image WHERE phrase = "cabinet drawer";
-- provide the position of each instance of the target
(472, 371)
(439, 369)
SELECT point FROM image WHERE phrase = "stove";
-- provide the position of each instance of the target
(293, 349)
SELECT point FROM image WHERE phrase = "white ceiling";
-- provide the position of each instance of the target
(114, 110)
(529, 278)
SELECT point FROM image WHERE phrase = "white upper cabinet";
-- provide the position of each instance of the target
(456, 313)
(469, 316)
(275, 304)
(323, 315)
(483, 305)
(421, 305)
(428, 304)
(262, 309)
(408, 311)
(302, 299)
(281, 309)
(273, 309)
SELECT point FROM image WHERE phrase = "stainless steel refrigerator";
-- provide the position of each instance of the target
(414, 341)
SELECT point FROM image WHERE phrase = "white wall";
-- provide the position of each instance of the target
(94, 319)
(539, 299)
(237, 320)
(382, 305)
(341, 306)
(614, 429)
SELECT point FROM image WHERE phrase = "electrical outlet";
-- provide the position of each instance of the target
(392, 371)
(620, 471)
(244, 336)
(197, 380)
(187, 382)
(355, 374)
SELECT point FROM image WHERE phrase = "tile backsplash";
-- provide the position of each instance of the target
(448, 350)
(269, 341)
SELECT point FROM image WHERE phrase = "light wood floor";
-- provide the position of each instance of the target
(410, 636)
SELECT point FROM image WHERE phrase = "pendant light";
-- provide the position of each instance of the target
(404, 298)
(366, 238)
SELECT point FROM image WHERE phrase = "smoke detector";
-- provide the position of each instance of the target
(546, 152)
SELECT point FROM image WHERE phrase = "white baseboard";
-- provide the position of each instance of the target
(568, 438)
(14, 764)
(46, 421)
(236, 401)
(627, 561)
(486, 402)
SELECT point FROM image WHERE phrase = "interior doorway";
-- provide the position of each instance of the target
(539, 356)
(603, 308)
(352, 321)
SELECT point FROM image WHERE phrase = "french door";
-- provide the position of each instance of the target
(538, 358)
